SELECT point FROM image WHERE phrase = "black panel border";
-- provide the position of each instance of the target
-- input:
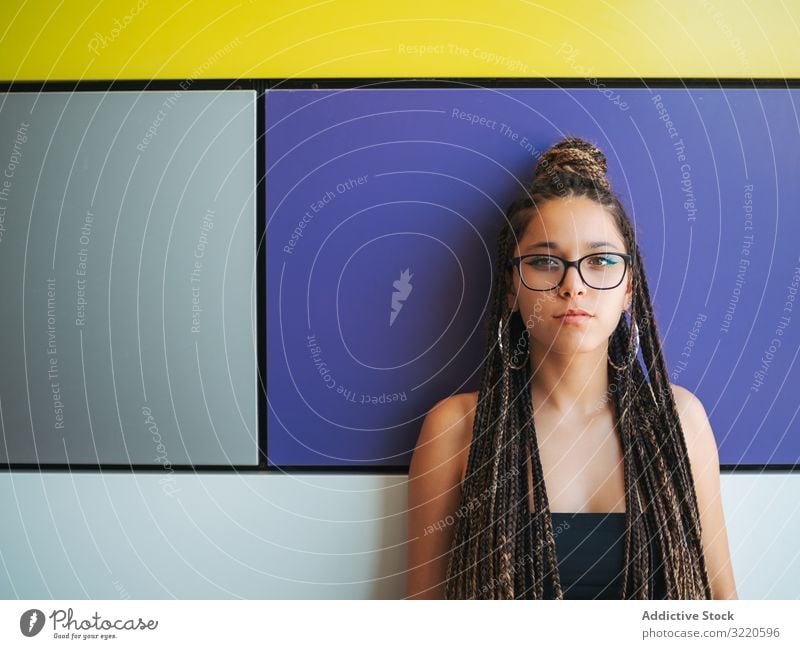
(260, 85)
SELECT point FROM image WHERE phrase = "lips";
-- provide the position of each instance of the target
(574, 313)
(574, 317)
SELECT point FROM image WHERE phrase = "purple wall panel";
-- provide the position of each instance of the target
(383, 207)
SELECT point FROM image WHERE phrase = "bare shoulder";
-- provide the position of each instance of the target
(700, 441)
(701, 446)
(683, 396)
(434, 490)
(449, 422)
(446, 434)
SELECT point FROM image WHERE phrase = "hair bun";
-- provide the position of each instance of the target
(578, 156)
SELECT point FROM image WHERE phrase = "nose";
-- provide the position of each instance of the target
(572, 284)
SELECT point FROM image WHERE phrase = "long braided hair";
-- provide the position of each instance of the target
(500, 549)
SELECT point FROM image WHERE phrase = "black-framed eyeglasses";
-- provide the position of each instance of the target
(599, 270)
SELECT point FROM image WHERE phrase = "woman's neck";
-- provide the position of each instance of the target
(573, 386)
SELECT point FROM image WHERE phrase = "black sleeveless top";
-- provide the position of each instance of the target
(590, 551)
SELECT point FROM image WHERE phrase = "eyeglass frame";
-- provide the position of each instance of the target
(517, 262)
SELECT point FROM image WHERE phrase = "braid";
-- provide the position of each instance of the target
(504, 544)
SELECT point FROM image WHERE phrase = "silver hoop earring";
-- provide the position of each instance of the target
(635, 337)
(502, 351)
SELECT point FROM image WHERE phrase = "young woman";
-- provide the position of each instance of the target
(570, 473)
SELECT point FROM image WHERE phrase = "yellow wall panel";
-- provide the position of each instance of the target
(141, 39)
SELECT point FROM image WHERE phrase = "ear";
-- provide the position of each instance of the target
(511, 291)
(629, 293)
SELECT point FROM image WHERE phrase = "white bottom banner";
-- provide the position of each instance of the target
(398, 623)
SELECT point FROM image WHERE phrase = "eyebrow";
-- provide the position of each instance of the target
(554, 246)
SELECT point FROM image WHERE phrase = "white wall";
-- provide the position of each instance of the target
(104, 536)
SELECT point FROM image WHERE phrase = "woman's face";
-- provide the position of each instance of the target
(574, 227)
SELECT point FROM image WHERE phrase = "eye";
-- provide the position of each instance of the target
(603, 260)
(543, 261)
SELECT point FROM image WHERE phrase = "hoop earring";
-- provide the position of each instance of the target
(635, 336)
(503, 352)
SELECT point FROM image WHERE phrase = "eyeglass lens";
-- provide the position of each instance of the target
(602, 271)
